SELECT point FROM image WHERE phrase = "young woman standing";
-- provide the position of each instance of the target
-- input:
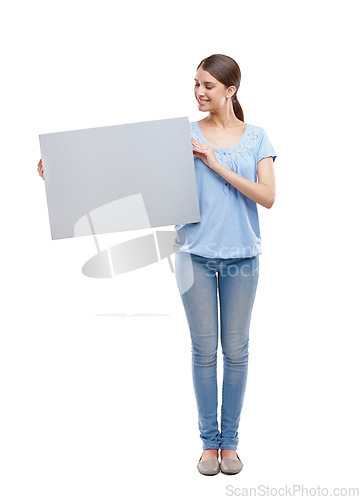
(220, 255)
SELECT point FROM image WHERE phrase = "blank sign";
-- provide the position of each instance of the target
(119, 178)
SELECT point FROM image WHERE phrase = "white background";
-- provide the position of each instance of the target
(96, 389)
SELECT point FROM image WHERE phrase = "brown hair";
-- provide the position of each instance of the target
(226, 71)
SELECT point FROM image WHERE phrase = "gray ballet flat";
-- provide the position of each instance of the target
(230, 466)
(209, 467)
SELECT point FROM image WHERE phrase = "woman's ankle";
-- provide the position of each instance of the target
(209, 454)
(230, 454)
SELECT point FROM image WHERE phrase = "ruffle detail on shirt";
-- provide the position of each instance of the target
(195, 132)
(248, 142)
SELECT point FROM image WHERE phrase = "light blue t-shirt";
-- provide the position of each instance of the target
(229, 223)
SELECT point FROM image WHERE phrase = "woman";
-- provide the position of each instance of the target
(220, 254)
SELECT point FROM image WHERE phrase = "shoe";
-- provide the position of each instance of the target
(209, 467)
(230, 466)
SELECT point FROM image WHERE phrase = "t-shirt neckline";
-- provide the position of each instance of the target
(227, 149)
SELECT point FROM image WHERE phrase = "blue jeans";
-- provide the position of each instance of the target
(199, 280)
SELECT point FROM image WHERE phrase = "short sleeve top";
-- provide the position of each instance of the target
(229, 223)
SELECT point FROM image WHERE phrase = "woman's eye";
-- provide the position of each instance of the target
(209, 88)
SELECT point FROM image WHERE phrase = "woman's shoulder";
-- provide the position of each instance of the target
(254, 134)
(255, 128)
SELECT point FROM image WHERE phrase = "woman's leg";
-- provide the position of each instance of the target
(238, 280)
(197, 284)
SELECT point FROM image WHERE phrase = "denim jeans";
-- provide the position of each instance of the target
(200, 280)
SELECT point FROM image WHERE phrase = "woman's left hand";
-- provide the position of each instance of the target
(206, 153)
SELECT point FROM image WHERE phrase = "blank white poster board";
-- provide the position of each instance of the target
(119, 178)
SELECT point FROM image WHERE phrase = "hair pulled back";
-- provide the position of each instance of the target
(227, 71)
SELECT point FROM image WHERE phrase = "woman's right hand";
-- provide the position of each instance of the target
(40, 169)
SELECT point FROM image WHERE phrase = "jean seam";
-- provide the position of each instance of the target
(222, 399)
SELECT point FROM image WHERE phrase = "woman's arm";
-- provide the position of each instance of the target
(263, 191)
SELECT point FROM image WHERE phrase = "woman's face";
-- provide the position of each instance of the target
(209, 92)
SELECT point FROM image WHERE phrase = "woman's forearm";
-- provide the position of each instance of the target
(260, 193)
